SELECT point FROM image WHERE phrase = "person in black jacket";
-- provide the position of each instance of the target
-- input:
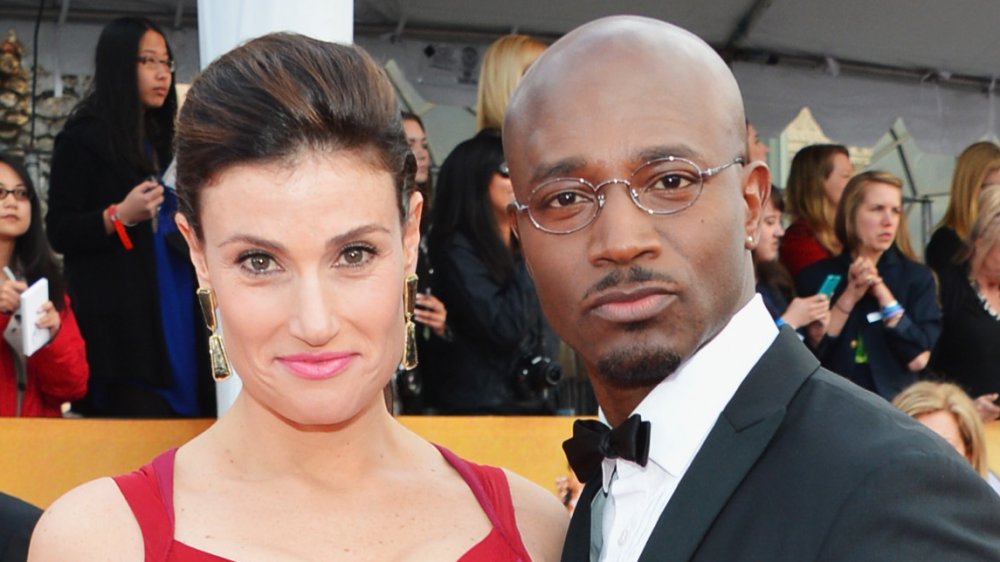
(493, 312)
(127, 268)
(885, 318)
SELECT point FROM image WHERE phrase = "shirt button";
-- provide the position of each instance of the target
(623, 538)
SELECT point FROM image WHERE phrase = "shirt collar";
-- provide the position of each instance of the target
(684, 407)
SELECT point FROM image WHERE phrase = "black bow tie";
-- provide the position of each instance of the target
(593, 441)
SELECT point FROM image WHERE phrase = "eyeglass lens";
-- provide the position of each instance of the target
(19, 194)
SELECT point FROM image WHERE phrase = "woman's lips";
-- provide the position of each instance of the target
(317, 366)
(629, 307)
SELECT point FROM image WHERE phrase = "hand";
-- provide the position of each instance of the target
(818, 328)
(861, 276)
(141, 203)
(431, 312)
(987, 408)
(48, 317)
(10, 295)
(803, 310)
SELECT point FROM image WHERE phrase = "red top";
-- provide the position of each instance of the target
(149, 492)
(801, 248)
(57, 372)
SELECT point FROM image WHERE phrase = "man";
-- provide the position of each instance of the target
(642, 263)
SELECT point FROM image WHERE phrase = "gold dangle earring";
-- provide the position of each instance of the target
(410, 338)
(216, 349)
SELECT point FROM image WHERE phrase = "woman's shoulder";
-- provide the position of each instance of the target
(90, 522)
(541, 518)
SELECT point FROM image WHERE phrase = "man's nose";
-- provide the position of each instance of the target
(622, 232)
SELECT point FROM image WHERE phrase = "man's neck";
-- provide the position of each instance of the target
(619, 403)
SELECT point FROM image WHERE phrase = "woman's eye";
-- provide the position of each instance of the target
(356, 256)
(258, 264)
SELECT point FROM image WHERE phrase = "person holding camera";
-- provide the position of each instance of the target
(498, 361)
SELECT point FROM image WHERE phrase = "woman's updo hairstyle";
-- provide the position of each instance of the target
(281, 94)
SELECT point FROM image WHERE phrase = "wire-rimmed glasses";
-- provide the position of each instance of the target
(663, 186)
(154, 63)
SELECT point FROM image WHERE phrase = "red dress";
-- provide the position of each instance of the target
(149, 492)
(800, 248)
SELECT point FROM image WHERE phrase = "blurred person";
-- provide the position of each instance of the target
(505, 62)
(815, 184)
(299, 209)
(947, 410)
(968, 352)
(774, 284)
(111, 218)
(493, 313)
(723, 438)
(57, 372)
(978, 166)
(885, 317)
(757, 149)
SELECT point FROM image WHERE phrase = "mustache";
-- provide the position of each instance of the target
(633, 275)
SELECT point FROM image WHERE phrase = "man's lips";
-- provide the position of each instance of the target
(631, 305)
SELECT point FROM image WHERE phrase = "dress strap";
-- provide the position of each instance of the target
(143, 492)
(492, 490)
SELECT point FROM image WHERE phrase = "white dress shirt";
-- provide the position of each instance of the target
(682, 411)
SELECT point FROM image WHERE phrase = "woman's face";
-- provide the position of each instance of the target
(834, 184)
(501, 194)
(943, 423)
(417, 140)
(15, 214)
(877, 218)
(989, 267)
(307, 260)
(771, 232)
(154, 75)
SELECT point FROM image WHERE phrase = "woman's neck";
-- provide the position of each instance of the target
(869, 253)
(6, 252)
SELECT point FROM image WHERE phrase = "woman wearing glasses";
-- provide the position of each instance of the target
(39, 384)
(493, 313)
(299, 208)
(111, 218)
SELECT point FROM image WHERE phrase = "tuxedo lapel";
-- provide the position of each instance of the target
(577, 545)
(736, 441)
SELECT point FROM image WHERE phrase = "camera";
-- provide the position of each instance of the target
(536, 374)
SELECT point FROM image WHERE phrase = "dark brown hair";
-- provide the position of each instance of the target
(279, 94)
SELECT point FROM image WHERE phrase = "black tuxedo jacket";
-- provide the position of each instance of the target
(804, 466)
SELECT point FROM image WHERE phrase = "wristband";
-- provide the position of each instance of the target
(119, 226)
(891, 310)
(780, 322)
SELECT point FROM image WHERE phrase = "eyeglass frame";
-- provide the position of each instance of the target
(4, 192)
(702, 175)
(146, 60)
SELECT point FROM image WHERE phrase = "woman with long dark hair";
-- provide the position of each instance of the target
(36, 385)
(111, 218)
(493, 312)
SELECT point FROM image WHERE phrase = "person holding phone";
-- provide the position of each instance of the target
(111, 218)
(38, 385)
(885, 317)
(774, 283)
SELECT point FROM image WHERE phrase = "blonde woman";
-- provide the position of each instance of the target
(948, 411)
(503, 65)
(978, 166)
(970, 300)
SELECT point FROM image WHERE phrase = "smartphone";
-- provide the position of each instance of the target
(830, 285)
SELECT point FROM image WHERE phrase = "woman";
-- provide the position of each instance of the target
(492, 308)
(816, 182)
(885, 317)
(968, 351)
(110, 217)
(299, 211)
(978, 166)
(774, 283)
(947, 410)
(505, 62)
(57, 372)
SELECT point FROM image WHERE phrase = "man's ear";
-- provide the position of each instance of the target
(756, 190)
(411, 231)
(195, 249)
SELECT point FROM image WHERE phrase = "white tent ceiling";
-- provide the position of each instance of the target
(858, 64)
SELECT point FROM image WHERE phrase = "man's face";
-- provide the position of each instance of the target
(635, 294)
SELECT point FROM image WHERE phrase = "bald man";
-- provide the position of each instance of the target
(637, 208)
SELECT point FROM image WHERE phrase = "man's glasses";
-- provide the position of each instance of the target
(660, 187)
(153, 63)
(20, 194)
(503, 170)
